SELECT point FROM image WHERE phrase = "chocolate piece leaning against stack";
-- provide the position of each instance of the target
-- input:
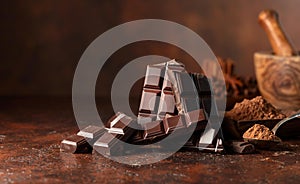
(192, 91)
(157, 98)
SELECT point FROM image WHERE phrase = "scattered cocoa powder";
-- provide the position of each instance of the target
(254, 109)
(260, 132)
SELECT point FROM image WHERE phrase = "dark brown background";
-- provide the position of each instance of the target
(42, 41)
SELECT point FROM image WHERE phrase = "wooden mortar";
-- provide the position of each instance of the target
(278, 74)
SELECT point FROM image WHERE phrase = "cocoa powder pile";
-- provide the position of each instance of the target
(254, 109)
(260, 132)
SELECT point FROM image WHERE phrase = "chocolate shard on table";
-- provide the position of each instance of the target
(215, 146)
(75, 144)
(157, 96)
(212, 135)
(110, 144)
(121, 129)
(112, 120)
(121, 124)
(240, 147)
(107, 144)
(91, 132)
(2, 137)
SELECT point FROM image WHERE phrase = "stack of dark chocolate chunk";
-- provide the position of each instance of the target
(173, 102)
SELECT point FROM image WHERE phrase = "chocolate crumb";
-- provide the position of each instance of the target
(260, 132)
(254, 109)
(2, 138)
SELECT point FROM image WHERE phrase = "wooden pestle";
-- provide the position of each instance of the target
(268, 19)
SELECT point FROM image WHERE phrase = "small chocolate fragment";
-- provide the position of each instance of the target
(119, 131)
(115, 118)
(75, 144)
(2, 137)
(215, 146)
(91, 132)
(107, 144)
(110, 144)
(240, 147)
(121, 124)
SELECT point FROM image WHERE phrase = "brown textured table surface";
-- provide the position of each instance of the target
(34, 127)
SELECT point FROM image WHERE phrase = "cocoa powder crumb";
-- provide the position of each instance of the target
(260, 132)
(254, 109)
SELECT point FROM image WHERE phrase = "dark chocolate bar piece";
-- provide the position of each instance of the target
(195, 117)
(163, 127)
(167, 100)
(107, 144)
(145, 117)
(154, 77)
(152, 129)
(157, 96)
(115, 118)
(192, 91)
(166, 104)
(173, 122)
(121, 124)
(151, 92)
(193, 144)
(213, 135)
(75, 144)
(240, 147)
(110, 144)
(185, 92)
(91, 132)
(149, 101)
(121, 129)
(202, 84)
